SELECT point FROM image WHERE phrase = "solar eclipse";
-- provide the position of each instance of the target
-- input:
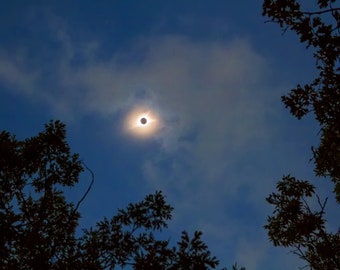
(142, 122)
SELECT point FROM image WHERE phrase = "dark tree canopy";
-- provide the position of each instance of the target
(294, 223)
(37, 224)
(319, 29)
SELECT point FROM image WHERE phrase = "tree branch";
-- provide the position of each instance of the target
(320, 12)
(88, 189)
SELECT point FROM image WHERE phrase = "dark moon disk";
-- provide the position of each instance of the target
(143, 121)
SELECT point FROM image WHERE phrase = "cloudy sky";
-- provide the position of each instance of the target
(210, 72)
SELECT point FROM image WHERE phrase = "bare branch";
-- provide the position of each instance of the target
(322, 205)
(320, 12)
(88, 189)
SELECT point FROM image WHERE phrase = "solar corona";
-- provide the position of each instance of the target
(142, 122)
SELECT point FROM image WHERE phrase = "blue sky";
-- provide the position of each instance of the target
(212, 71)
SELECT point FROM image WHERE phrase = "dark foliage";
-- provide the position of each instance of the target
(37, 224)
(320, 31)
(294, 223)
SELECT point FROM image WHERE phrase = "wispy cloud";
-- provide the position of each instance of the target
(213, 103)
(16, 74)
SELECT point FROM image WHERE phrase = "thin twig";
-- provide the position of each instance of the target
(320, 12)
(88, 189)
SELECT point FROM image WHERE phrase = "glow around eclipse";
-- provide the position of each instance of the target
(142, 122)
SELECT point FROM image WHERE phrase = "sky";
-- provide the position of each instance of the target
(209, 73)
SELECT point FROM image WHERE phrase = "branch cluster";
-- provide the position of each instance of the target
(320, 30)
(37, 224)
(295, 224)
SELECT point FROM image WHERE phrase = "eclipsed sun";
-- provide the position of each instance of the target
(142, 122)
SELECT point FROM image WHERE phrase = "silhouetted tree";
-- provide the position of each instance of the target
(294, 223)
(37, 224)
(318, 29)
